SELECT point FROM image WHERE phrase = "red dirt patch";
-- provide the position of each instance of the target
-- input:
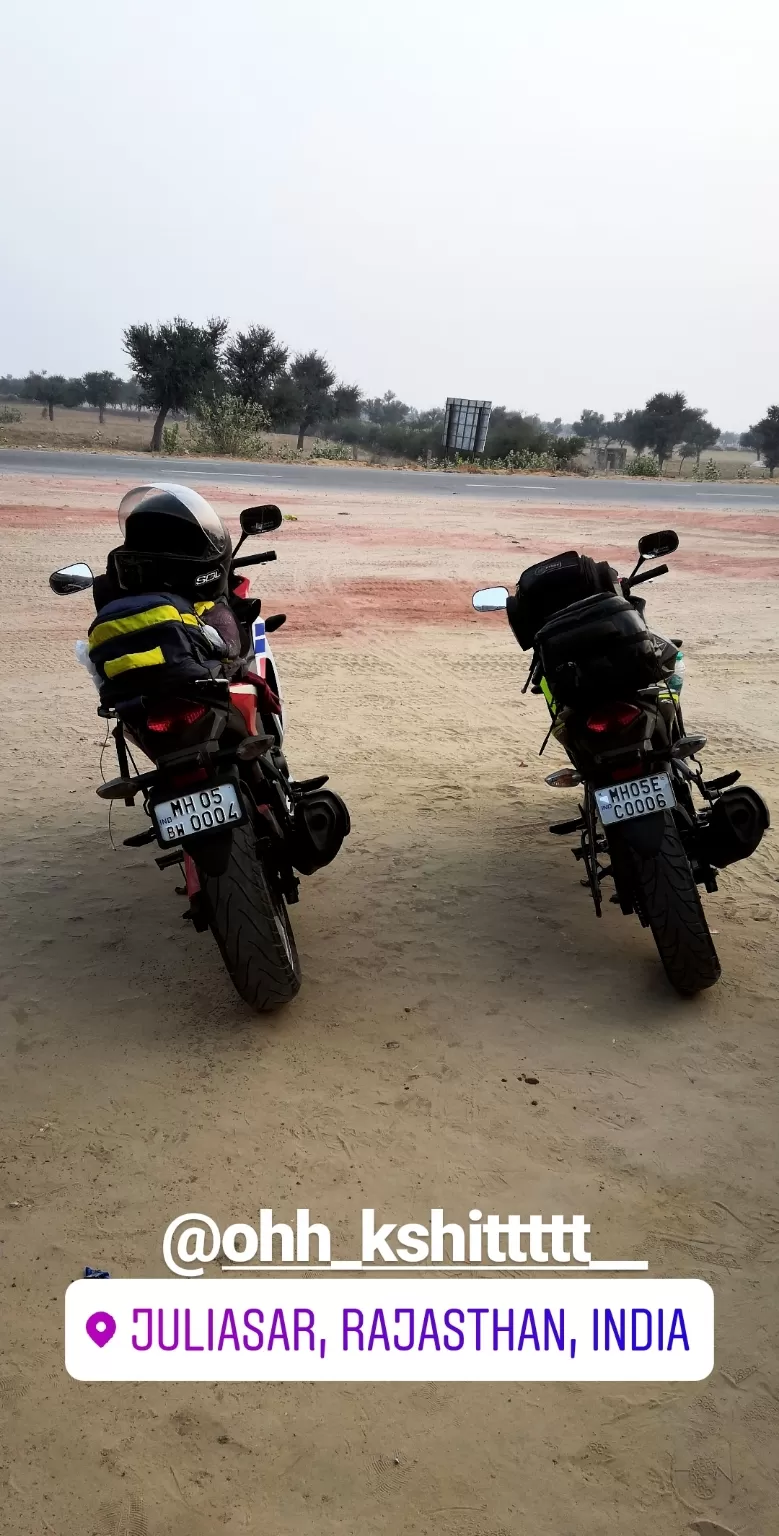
(365, 604)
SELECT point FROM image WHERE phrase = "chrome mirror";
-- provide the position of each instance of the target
(490, 599)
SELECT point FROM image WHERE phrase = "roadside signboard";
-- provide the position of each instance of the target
(465, 425)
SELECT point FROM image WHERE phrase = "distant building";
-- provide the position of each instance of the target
(612, 459)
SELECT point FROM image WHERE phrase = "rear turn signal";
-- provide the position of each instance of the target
(613, 717)
(175, 718)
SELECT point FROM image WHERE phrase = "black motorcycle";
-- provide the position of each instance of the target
(612, 689)
(220, 798)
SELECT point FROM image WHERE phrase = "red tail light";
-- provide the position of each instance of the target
(613, 717)
(174, 717)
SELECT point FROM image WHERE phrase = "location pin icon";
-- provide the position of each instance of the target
(101, 1328)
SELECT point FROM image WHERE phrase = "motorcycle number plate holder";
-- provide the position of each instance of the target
(194, 812)
(633, 798)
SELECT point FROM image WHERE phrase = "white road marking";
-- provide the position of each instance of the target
(546, 489)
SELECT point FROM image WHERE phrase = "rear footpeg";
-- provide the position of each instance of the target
(165, 860)
(565, 828)
(139, 839)
(724, 781)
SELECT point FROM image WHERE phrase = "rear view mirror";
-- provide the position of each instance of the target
(71, 578)
(490, 599)
(261, 519)
(653, 545)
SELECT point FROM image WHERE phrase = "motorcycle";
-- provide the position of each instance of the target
(612, 690)
(220, 799)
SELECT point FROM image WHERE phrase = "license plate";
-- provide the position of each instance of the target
(634, 798)
(205, 810)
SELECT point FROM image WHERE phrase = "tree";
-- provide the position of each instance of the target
(283, 404)
(700, 434)
(345, 401)
(74, 393)
(765, 435)
(614, 430)
(511, 432)
(687, 451)
(175, 363)
(590, 426)
(636, 430)
(48, 389)
(747, 440)
(387, 410)
(130, 395)
(11, 388)
(312, 379)
(668, 419)
(566, 449)
(254, 361)
(102, 389)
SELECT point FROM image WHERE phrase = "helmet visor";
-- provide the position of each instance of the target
(176, 501)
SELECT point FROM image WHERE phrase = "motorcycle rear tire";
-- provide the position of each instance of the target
(667, 897)
(250, 924)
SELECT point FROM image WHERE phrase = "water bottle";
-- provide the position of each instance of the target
(676, 679)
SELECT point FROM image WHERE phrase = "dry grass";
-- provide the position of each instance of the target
(728, 462)
(80, 428)
(75, 429)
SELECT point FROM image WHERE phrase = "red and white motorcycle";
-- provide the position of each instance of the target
(220, 798)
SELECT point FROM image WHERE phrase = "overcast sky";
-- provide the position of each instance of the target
(552, 205)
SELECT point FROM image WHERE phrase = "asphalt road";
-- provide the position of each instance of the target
(565, 491)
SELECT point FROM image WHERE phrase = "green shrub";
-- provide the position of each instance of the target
(331, 451)
(642, 464)
(8, 414)
(710, 471)
(230, 426)
(170, 440)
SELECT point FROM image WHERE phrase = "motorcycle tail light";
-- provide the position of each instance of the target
(174, 717)
(612, 717)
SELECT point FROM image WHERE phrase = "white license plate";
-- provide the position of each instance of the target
(204, 810)
(634, 798)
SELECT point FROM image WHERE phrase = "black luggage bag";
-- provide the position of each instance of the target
(601, 649)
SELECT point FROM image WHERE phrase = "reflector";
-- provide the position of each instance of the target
(613, 717)
(176, 717)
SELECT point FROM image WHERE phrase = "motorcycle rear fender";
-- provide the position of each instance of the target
(645, 835)
(210, 851)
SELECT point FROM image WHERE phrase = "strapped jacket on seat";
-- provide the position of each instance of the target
(147, 644)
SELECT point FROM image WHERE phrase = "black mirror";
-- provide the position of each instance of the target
(653, 545)
(260, 519)
(71, 578)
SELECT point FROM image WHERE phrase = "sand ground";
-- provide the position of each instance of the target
(137, 1086)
